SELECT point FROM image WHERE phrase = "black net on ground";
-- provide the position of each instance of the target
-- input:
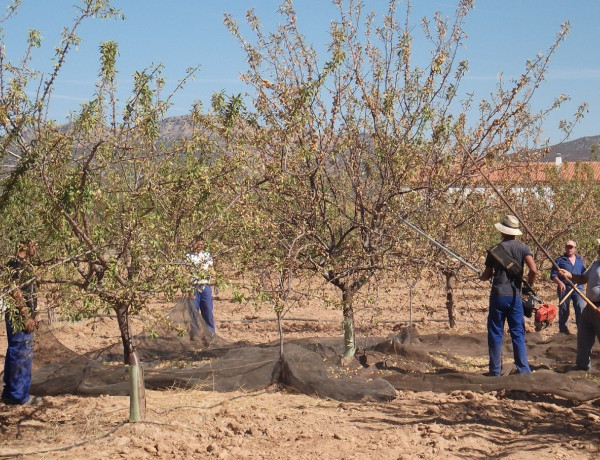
(405, 361)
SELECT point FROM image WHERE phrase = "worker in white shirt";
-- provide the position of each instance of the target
(203, 300)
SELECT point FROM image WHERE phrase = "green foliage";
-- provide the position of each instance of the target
(35, 38)
(238, 295)
(73, 193)
(307, 177)
(112, 206)
(345, 143)
(13, 314)
(108, 59)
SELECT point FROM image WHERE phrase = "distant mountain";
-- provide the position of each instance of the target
(582, 149)
(173, 128)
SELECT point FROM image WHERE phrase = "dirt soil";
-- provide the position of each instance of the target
(276, 424)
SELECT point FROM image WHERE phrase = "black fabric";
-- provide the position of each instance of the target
(406, 361)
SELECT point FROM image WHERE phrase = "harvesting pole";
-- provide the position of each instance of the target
(566, 296)
(440, 245)
(533, 237)
(526, 286)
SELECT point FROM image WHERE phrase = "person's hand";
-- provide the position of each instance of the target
(564, 273)
(17, 295)
(562, 287)
(29, 325)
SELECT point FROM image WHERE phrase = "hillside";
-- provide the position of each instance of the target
(582, 149)
(173, 128)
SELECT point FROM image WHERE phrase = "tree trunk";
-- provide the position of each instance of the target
(348, 327)
(450, 280)
(280, 325)
(137, 393)
(123, 320)
(411, 290)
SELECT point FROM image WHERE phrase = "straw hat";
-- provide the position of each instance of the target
(509, 226)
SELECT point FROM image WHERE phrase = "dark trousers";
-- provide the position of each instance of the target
(563, 311)
(506, 309)
(588, 330)
(17, 365)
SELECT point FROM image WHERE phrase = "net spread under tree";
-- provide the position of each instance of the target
(405, 361)
(322, 175)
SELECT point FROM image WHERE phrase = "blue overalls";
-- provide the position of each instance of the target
(17, 365)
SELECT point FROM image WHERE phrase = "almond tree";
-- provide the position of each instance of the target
(103, 194)
(127, 202)
(460, 221)
(347, 142)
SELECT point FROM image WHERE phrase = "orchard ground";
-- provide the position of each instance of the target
(275, 424)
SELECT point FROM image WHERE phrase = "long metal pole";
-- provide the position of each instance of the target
(535, 240)
(441, 246)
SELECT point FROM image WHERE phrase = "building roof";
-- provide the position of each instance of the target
(541, 172)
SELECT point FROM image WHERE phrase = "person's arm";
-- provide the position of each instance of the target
(532, 269)
(559, 283)
(487, 273)
(29, 323)
(578, 279)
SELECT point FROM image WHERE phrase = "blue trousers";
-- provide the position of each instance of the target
(17, 366)
(203, 301)
(563, 310)
(506, 309)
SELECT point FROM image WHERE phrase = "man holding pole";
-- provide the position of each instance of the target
(571, 262)
(505, 297)
(588, 328)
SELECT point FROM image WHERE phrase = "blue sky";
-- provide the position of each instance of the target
(503, 34)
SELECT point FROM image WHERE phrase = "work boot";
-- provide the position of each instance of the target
(32, 401)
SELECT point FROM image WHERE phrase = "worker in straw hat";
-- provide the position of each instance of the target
(588, 328)
(505, 303)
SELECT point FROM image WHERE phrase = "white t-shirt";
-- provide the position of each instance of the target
(202, 262)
